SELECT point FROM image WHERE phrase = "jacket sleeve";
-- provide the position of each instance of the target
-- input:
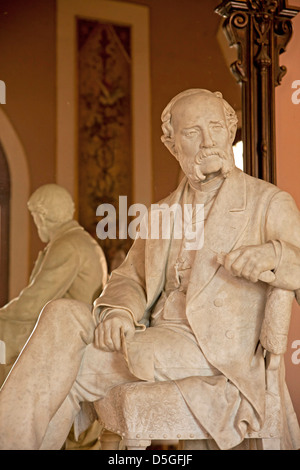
(55, 275)
(125, 288)
(283, 227)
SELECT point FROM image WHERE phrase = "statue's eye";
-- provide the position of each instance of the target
(216, 126)
(191, 133)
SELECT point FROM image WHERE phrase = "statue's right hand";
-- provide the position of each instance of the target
(110, 333)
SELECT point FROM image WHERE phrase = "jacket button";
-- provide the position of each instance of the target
(229, 334)
(218, 302)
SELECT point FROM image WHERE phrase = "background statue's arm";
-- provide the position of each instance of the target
(52, 280)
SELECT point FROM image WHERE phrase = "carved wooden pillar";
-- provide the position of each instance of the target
(261, 30)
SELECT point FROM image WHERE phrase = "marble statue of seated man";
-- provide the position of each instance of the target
(169, 312)
(72, 265)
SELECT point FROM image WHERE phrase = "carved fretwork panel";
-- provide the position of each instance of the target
(261, 30)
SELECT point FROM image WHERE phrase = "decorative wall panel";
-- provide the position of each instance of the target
(104, 123)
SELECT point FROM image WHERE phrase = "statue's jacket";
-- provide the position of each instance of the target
(72, 265)
(224, 312)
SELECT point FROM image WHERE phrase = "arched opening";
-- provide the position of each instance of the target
(19, 216)
(4, 227)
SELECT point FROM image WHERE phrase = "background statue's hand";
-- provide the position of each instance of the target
(251, 262)
(110, 334)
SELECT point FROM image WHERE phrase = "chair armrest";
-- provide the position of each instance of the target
(273, 368)
(276, 322)
(272, 360)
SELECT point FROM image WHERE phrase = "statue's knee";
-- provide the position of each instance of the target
(62, 309)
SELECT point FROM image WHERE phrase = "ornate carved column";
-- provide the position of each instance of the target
(261, 30)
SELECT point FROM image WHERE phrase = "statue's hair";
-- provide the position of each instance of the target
(166, 116)
(53, 202)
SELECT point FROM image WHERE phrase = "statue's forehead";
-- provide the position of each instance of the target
(192, 108)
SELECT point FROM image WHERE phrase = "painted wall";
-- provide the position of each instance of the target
(288, 177)
(27, 51)
(184, 53)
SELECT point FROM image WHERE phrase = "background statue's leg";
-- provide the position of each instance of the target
(44, 372)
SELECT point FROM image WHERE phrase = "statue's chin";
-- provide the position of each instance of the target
(209, 165)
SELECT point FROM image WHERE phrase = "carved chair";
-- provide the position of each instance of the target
(136, 414)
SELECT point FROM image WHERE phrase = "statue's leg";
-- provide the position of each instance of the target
(44, 372)
(99, 371)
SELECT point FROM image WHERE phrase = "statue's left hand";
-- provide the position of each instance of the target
(110, 334)
(250, 262)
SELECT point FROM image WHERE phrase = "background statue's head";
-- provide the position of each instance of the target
(199, 128)
(51, 206)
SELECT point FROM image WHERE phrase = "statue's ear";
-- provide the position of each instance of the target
(169, 143)
(232, 132)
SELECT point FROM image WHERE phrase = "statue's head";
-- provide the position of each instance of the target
(51, 206)
(199, 128)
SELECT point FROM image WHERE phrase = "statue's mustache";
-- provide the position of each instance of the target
(205, 153)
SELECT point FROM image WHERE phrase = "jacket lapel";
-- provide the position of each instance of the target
(226, 221)
(157, 252)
